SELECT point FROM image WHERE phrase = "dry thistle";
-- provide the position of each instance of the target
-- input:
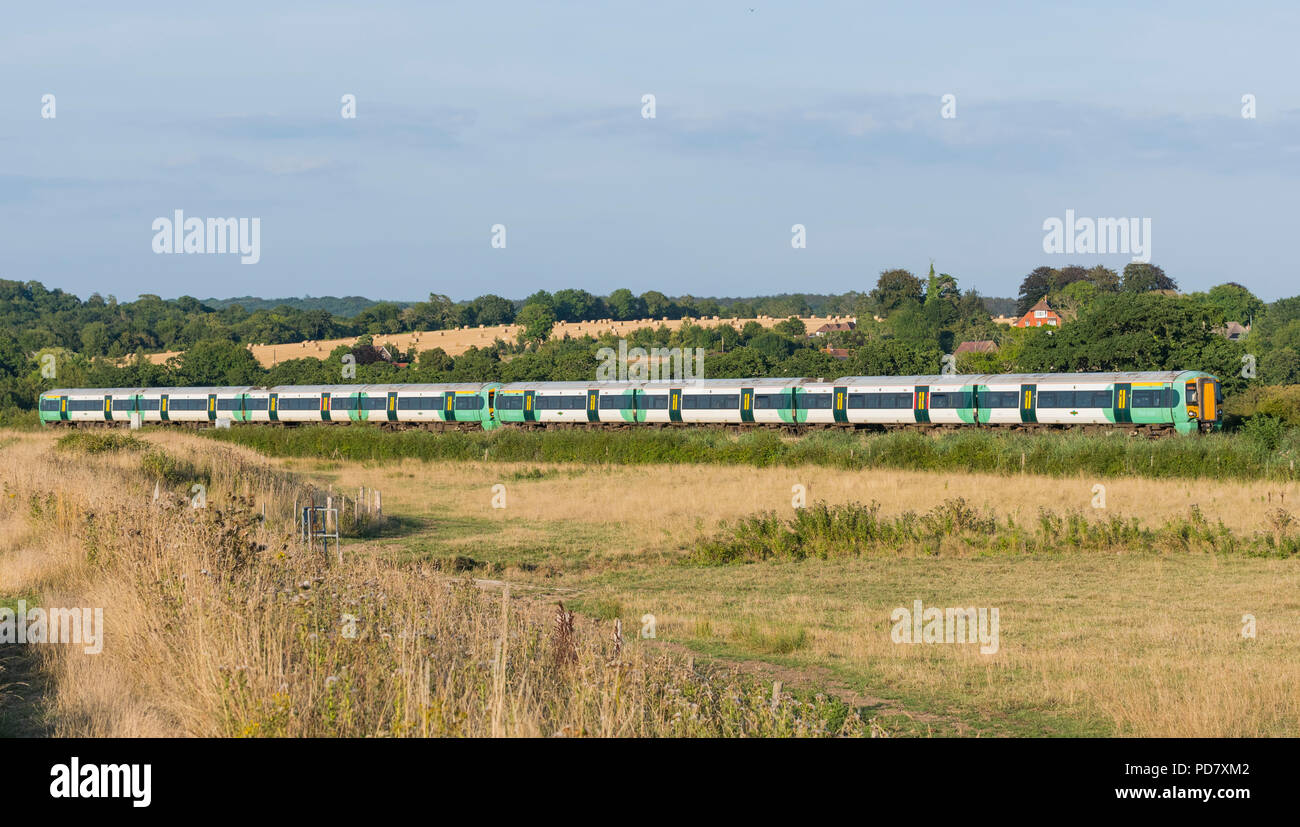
(564, 644)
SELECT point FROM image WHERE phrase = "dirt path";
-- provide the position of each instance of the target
(821, 679)
(22, 693)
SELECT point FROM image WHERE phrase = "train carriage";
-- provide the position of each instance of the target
(1185, 401)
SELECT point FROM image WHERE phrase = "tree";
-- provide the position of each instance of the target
(435, 360)
(657, 305)
(1035, 286)
(1106, 279)
(577, 306)
(773, 346)
(1140, 277)
(1126, 332)
(1234, 302)
(537, 321)
(624, 305)
(895, 288)
(491, 309)
(217, 362)
(792, 327)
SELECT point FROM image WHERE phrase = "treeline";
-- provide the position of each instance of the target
(39, 318)
(1133, 320)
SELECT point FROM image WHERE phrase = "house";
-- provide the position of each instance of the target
(836, 352)
(1040, 314)
(834, 327)
(980, 346)
(1233, 331)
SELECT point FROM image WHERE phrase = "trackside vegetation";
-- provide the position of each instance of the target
(1244, 456)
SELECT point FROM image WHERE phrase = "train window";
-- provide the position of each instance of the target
(257, 403)
(657, 402)
(375, 403)
(510, 402)
(770, 401)
(814, 401)
(611, 402)
(469, 402)
(149, 404)
(311, 403)
(1093, 399)
(343, 403)
(1055, 399)
(85, 405)
(229, 403)
(1191, 393)
(692, 401)
(1148, 398)
(876, 401)
(124, 403)
(419, 403)
(998, 399)
(49, 403)
(724, 401)
(948, 399)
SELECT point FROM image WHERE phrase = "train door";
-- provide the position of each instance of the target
(674, 404)
(449, 407)
(324, 406)
(841, 403)
(1028, 410)
(273, 408)
(212, 407)
(593, 414)
(746, 404)
(1123, 402)
(392, 406)
(1209, 400)
(530, 415)
(108, 408)
(162, 408)
(63, 408)
(921, 403)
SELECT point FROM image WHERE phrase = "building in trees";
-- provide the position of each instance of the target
(1040, 314)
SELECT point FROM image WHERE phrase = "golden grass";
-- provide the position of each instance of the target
(1131, 644)
(654, 506)
(220, 624)
(458, 340)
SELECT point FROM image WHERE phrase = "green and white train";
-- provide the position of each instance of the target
(1181, 401)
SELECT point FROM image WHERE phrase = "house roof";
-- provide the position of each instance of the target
(979, 346)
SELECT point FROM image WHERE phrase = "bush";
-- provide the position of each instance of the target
(99, 442)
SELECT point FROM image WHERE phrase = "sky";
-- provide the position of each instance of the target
(530, 116)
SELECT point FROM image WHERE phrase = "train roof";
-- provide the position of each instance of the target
(756, 382)
(1016, 378)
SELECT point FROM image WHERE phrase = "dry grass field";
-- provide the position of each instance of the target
(1132, 643)
(219, 623)
(458, 340)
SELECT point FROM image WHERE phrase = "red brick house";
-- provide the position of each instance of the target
(1039, 315)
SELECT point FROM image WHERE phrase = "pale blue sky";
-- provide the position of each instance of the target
(529, 114)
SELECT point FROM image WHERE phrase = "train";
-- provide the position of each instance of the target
(1184, 402)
